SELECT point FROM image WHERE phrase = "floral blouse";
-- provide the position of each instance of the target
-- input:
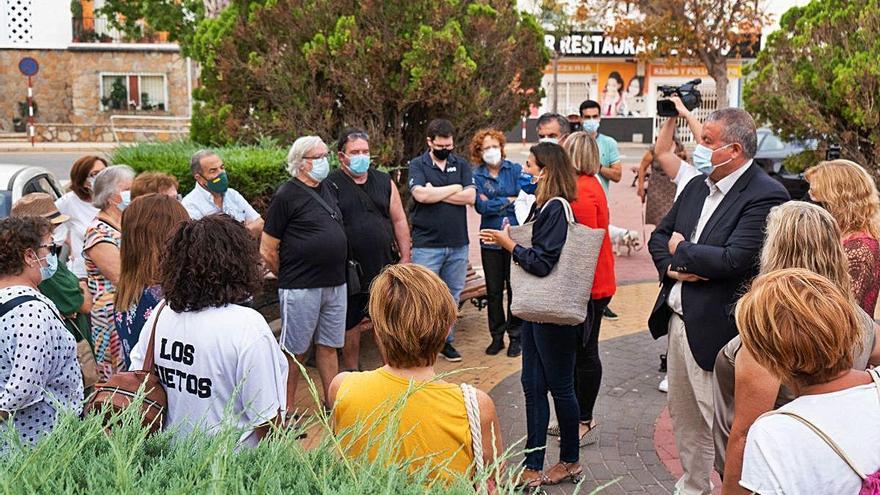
(130, 323)
(39, 372)
(863, 254)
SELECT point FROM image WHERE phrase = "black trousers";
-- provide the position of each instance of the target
(496, 268)
(588, 366)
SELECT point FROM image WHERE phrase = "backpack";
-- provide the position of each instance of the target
(871, 482)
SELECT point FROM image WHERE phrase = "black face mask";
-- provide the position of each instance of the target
(441, 154)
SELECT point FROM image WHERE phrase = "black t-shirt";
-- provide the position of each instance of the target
(313, 247)
(439, 224)
(367, 219)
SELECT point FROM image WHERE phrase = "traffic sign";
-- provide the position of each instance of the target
(28, 66)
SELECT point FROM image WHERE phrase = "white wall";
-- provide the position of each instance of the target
(43, 24)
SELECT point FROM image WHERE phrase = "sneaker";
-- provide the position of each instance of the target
(449, 353)
(609, 315)
(664, 384)
(495, 347)
(515, 349)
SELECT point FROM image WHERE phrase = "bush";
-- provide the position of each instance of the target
(254, 171)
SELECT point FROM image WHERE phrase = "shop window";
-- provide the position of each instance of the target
(134, 92)
(19, 24)
(571, 94)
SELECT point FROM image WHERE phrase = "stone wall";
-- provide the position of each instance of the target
(67, 88)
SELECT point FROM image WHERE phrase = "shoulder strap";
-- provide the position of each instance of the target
(831, 443)
(149, 359)
(473, 415)
(15, 301)
(566, 206)
(875, 375)
(317, 197)
(369, 203)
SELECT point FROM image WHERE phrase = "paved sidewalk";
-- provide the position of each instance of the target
(627, 410)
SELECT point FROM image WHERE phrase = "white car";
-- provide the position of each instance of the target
(18, 180)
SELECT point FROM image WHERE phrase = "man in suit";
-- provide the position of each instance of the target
(706, 249)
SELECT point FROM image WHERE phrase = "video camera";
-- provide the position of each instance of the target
(688, 94)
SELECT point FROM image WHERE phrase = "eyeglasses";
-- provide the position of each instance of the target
(53, 248)
(357, 135)
(315, 157)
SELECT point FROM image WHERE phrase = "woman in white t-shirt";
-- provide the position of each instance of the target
(218, 361)
(77, 204)
(803, 328)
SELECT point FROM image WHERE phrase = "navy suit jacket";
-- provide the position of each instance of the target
(726, 254)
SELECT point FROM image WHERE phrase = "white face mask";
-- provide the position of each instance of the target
(492, 156)
(549, 140)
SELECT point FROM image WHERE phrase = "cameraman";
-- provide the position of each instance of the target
(673, 166)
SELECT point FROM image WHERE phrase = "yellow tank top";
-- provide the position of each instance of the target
(433, 423)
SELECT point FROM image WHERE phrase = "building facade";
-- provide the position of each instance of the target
(93, 83)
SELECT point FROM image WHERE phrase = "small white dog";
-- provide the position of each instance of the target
(624, 238)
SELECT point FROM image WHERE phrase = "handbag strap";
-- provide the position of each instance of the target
(473, 415)
(149, 359)
(367, 200)
(875, 376)
(317, 197)
(566, 206)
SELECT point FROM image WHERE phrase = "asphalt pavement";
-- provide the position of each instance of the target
(58, 163)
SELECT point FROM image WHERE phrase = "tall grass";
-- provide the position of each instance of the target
(79, 456)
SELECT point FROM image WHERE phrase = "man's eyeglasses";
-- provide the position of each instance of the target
(53, 248)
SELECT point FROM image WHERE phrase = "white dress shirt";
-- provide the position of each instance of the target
(710, 204)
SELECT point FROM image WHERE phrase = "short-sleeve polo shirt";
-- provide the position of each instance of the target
(439, 224)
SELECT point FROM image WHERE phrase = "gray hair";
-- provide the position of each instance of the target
(298, 150)
(195, 162)
(737, 126)
(107, 184)
(548, 117)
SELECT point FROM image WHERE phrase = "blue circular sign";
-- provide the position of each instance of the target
(28, 66)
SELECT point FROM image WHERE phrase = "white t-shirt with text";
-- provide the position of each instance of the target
(209, 359)
(784, 456)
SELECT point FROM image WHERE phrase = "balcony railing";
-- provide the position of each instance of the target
(99, 30)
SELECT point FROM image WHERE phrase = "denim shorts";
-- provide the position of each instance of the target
(312, 315)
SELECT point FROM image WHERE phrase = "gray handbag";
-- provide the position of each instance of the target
(561, 297)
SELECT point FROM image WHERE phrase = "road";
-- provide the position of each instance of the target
(58, 163)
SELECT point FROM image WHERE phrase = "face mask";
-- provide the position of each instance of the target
(320, 169)
(126, 200)
(91, 182)
(591, 126)
(549, 140)
(218, 184)
(359, 164)
(703, 158)
(47, 271)
(528, 183)
(492, 156)
(442, 154)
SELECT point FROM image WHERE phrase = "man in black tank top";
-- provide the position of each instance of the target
(375, 224)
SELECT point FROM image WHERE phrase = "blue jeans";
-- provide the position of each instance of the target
(548, 362)
(450, 264)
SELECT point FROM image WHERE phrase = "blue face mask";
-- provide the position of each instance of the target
(703, 158)
(359, 164)
(527, 183)
(591, 125)
(126, 200)
(46, 272)
(320, 169)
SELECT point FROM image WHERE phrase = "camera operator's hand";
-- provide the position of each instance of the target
(679, 106)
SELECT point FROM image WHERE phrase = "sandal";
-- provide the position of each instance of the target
(590, 436)
(530, 479)
(571, 471)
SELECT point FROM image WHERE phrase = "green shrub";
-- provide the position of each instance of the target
(254, 171)
(799, 162)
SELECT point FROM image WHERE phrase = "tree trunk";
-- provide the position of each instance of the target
(555, 82)
(719, 74)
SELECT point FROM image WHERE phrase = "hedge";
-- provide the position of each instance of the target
(254, 171)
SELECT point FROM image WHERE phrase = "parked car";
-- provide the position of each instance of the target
(18, 180)
(772, 151)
